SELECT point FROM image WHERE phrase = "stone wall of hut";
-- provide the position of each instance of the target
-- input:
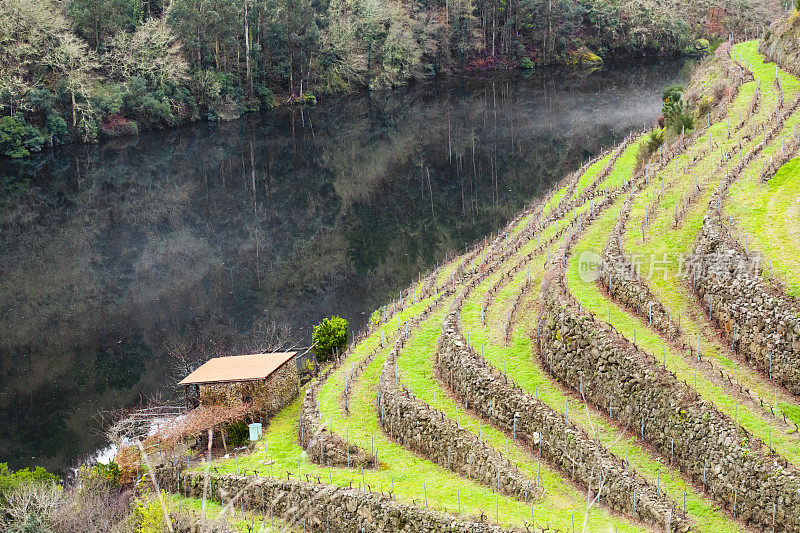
(269, 396)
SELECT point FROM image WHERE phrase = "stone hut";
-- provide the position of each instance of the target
(268, 381)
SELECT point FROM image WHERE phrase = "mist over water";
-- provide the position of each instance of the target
(228, 236)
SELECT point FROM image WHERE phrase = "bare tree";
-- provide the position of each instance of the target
(269, 336)
(265, 336)
(93, 505)
(31, 504)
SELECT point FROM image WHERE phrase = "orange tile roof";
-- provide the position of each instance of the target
(238, 368)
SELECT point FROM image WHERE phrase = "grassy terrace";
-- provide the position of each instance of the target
(700, 507)
(411, 475)
(500, 307)
(506, 292)
(769, 214)
(588, 177)
(675, 293)
(244, 521)
(416, 365)
(516, 361)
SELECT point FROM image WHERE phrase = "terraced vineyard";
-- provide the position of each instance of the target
(623, 356)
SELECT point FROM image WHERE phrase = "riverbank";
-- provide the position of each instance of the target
(85, 73)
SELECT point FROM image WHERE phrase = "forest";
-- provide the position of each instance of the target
(82, 70)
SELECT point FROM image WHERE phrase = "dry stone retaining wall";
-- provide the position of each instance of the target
(320, 507)
(619, 277)
(761, 323)
(418, 427)
(558, 441)
(621, 280)
(729, 463)
(324, 446)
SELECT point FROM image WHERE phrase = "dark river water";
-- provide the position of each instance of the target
(223, 238)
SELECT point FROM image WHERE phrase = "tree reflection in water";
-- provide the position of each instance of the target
(224, 236)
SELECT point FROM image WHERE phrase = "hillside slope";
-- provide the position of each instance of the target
(782, 43)
(620, 344)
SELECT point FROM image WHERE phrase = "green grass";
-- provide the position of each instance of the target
(792, 411)
(416, 366)
(663, 239)
(768, 214)
(516, 361)
(700, 507)
(760, 211)
(413, 475)
(242, 521)
(624, 166)
(590, 174)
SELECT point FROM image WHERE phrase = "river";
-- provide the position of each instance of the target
(239, 236)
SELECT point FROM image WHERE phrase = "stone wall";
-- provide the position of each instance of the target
(761, 323)
(268, 396)
(716, 453)
(780, 44)
(559, 442)
(320, 507)
(418, 427)
(619, 277)
(324, 446)
(623, 283)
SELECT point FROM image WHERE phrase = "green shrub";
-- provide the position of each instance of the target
(12, 138)
(18, 139)
(673, 93)
(676, 113)
(375, 317)
(151, 106)
(110, 473)
(526, 63)
(10, 480)
(39, 100)
(228, 84)
(205, 89)
(683, 122)
(307, 99)
(55, 130)
(328, 335)
(108, 98)
(238, 433)
(148, 516)
(704, 105)
(265, 96)
(654, 141)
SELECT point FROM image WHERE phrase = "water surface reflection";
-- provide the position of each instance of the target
(230, 235)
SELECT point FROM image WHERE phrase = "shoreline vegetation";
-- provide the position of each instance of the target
(85, 70)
